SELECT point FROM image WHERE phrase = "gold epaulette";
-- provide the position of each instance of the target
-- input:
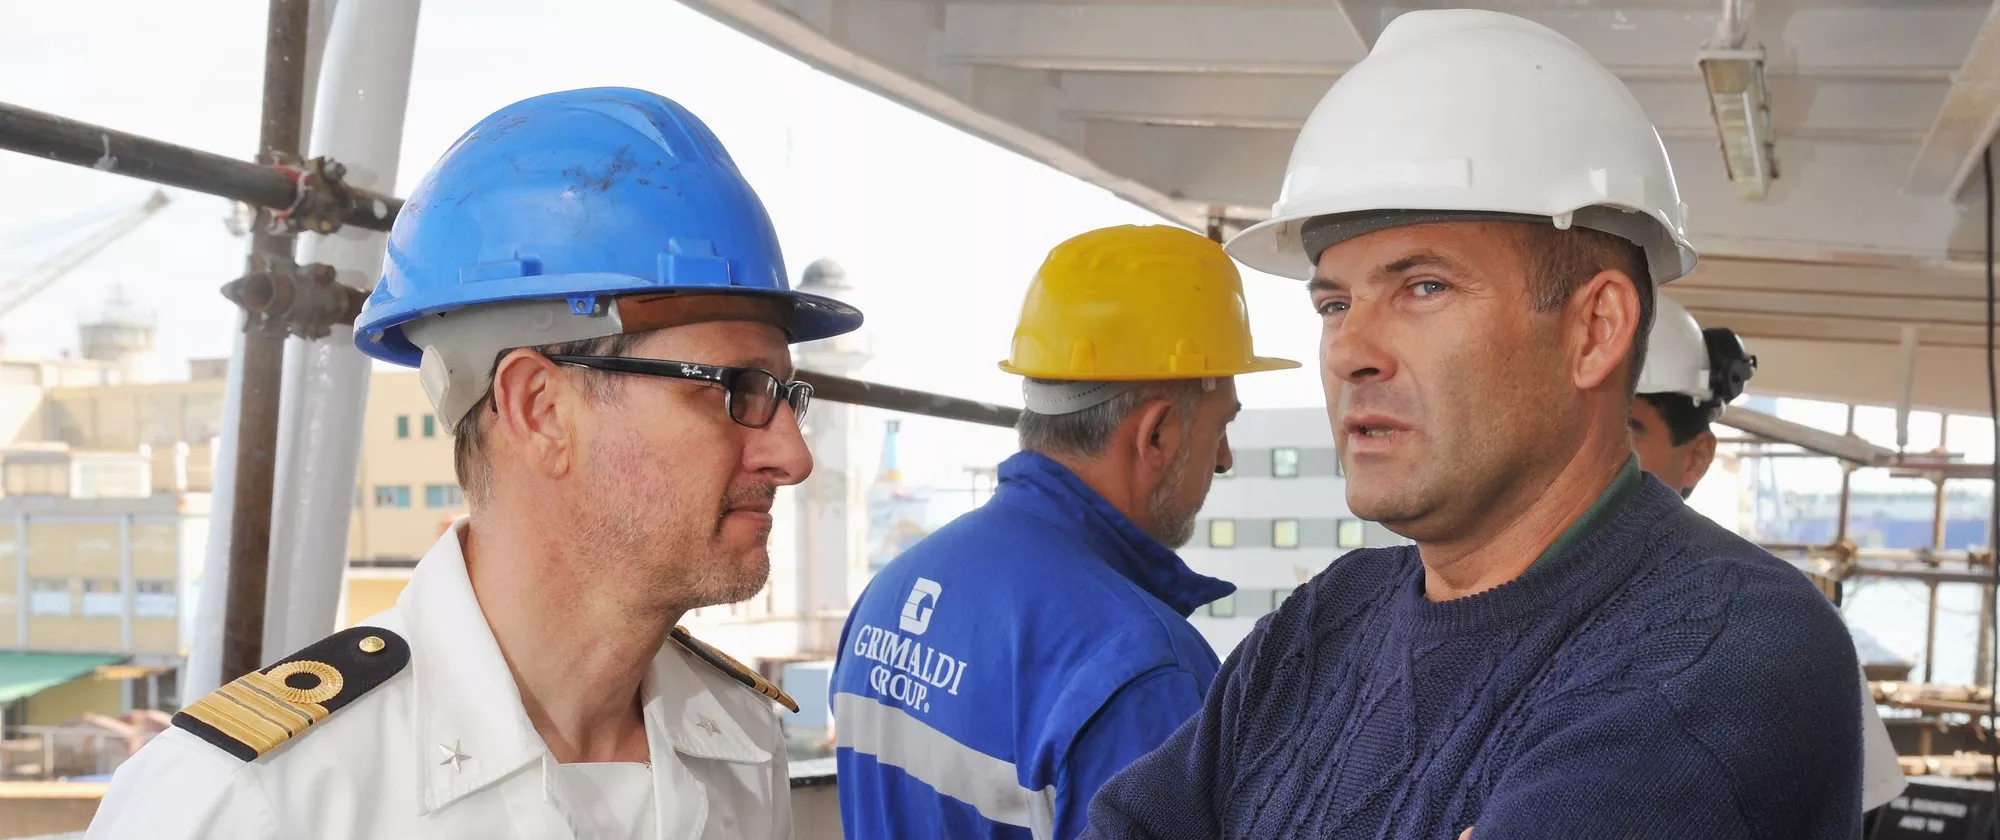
(256, 712)
(736, 670)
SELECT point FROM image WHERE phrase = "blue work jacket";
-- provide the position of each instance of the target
(996, 674)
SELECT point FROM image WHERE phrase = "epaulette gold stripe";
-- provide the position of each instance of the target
(266, 707)
(255, 733)
(250, 717)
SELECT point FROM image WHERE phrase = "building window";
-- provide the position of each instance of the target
(1351, 533)
(1285, 533)
(153, 599)
(48, 596)
(403, 426)
(392, 495)
(430, 426)
(101, 598)
(443, 496)
(1223, 607)
(1285, 462)
(1222, 533)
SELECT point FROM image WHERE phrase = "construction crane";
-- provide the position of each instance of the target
(18, 290)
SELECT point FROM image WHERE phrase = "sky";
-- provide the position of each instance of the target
(940, 230)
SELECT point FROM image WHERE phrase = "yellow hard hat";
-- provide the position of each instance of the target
(1136, 303)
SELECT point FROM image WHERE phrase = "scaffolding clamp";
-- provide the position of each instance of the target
(322, 201)
(305, 301)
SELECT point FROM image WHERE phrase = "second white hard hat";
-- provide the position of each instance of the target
(1463, 111)
(1676, 356)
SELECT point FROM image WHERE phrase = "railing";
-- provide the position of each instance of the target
(57, 753)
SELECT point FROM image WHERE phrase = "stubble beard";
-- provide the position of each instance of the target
(1173, 522)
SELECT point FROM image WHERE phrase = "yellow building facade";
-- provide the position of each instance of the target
(104, 517)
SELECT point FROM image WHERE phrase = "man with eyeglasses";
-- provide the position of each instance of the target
(599, 309)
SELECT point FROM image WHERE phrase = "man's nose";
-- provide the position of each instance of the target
(1353, 350)
(778, 451)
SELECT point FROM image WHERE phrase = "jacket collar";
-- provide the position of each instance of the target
(466, 698)
(1036, 483)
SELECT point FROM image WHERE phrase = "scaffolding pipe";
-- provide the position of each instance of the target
(1937, 546)
(261, 184)
(1846, 488)
(358, 112)
(262, 360)
(891, 398)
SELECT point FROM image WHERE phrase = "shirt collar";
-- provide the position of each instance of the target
(1048, 489)
(1621, 490)
(466, 699)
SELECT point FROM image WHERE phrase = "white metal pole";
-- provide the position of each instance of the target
(203, 672)
(364, 87)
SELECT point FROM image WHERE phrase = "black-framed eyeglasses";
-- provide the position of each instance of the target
(752, 395)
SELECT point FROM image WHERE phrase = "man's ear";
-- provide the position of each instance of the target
(1159, 433)
(1606, 313)
(533, 404)
(1701, 454)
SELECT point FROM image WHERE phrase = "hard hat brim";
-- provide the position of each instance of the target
(814, 317)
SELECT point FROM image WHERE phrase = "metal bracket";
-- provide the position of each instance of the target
(322, 199)
(305, 301)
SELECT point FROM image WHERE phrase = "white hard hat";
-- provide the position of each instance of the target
(1676, 356)
(1462, 111)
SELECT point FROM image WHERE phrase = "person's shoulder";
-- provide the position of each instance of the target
(735, 683)
(197, 778)
(1330, 607)
(179, 787)
(1713, 605)
(254, 714)
(1355, 582)
(1727, 571)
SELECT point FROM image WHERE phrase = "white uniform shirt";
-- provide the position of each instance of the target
(443, 749)
(1881, 776)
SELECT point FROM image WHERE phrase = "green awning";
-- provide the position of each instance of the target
(24, 674)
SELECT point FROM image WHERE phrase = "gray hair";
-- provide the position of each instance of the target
(1086, 433)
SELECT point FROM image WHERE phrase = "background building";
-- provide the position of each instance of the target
(1275, 520)
(105, 478)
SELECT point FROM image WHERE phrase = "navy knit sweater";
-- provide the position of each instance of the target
(1658, 678)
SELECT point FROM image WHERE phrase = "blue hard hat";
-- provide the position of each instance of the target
(580, 195)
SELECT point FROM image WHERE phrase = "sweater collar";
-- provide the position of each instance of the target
(1037, 484)
(1601, 551)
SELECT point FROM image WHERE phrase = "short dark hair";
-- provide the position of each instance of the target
(468, 456)
(1686, 418)
(1560, 261)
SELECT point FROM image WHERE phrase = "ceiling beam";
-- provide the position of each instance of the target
(786, 31)
(1966, 121)
(1727, 274)
(1132, 38)
(1949, 379)
(1888, 308)
(1877, 334)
